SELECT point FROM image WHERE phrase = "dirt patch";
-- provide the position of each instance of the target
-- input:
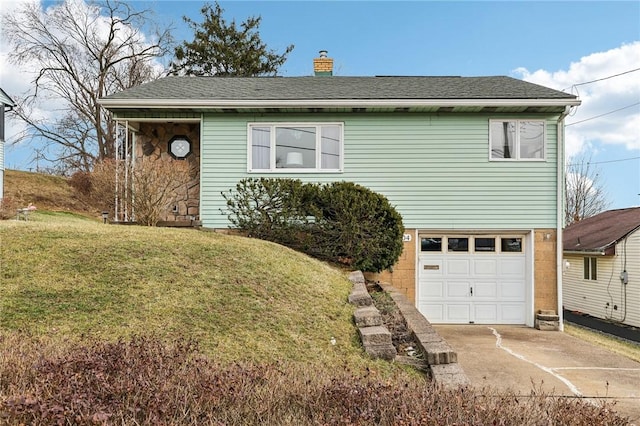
(402, 337)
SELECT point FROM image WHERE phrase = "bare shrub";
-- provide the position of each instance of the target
(154, 183)
(81, 182)
(102, 184)
(144, 381)
(8, 208)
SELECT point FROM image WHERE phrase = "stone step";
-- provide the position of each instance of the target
(377, 342)
(375, 335)
(386, 352)
(367, 316)
(449, 375)
(438, 352)
(360, 296)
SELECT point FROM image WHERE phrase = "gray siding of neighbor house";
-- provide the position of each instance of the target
(591, 296)
(434, 168)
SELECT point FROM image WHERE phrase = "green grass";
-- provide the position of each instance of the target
(619, 346)
(64, 276)
(263, 317)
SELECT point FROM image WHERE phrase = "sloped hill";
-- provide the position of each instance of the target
(46, 192)
(240, 298)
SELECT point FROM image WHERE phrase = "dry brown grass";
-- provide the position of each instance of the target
(619, 346)
(46, 192)
(143, 381)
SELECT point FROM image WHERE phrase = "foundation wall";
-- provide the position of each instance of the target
(545, 266)
(403, 275)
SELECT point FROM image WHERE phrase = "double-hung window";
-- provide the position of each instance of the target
(517, 139)
(296, 147)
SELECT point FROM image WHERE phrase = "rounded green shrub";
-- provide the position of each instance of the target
(269, 209)
(341, 222)
(356, 226)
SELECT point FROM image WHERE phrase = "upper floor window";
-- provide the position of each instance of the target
(517, 139)
(296, 147)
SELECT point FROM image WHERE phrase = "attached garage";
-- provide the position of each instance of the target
(467, 278)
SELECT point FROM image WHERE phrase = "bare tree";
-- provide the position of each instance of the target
(584, 194)
(80, 53)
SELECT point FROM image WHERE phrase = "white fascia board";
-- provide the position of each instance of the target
(329, 103)
(585, 252)
(155, 119)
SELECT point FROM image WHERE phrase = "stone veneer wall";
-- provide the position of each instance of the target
(152, 141)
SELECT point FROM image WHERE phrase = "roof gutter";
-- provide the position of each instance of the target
(583, 252)
(324, 103)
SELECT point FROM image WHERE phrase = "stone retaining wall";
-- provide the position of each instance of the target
(376, 339)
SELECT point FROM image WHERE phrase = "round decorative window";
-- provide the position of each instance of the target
(180, 147)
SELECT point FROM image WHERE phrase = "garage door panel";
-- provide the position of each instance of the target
(458, 312)
(512, 266)
(431, 268)
(485, 289)
(455, 289)
(433, 312)
(460, 267)
(432, 289)
(485, 267)
(512, 290)
(512, 313)
(484, 313)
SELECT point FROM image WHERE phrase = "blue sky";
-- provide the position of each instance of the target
(557, 44)
(430, 38)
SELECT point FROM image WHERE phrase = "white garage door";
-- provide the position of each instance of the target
(472, 279)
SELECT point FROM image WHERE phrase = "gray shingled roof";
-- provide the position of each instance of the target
(601, 232)
(338, 88)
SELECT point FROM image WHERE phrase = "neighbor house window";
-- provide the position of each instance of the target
(591, 268)
(295, 147)
(517, 139)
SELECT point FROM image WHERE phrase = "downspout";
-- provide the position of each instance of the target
(560, 211)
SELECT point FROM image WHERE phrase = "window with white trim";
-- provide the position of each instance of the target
(296, 147)
(517, 139)
(591, 268)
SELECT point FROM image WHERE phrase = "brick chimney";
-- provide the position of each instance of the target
(323, 66)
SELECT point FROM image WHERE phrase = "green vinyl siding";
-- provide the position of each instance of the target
(434, 169)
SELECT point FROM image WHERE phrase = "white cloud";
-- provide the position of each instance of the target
(17, 80)
(599, 98)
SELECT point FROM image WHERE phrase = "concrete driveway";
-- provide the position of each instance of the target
(520, 359)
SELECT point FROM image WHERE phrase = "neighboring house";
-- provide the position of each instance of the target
(602, 266)
(473, 164)
(6, 104)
